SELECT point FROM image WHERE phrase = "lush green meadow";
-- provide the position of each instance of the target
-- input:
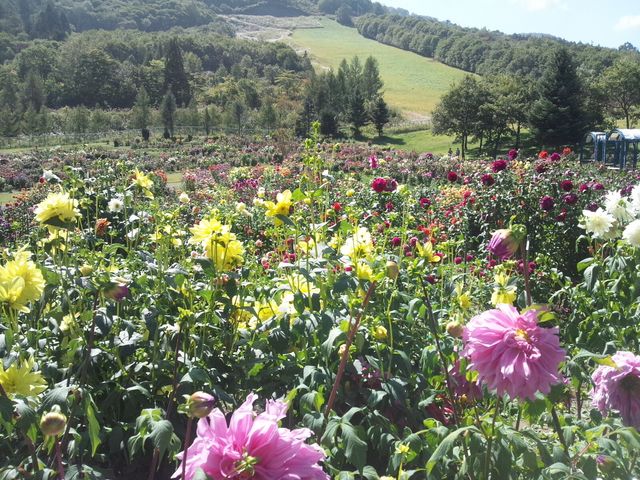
(412, 83)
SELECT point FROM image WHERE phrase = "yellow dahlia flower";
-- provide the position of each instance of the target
(225, 251)
(57, 209)
(282, 206)
(144, 182)
(20, 380)
(21, 282)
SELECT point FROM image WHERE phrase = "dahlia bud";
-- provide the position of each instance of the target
(53, 423)
(392, 270)
(605, 463)
(116, 291)
(200, 404)
(86, 270)
(379, 333)
(455, 329)
(505, 242)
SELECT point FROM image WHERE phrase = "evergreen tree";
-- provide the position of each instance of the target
(207, 121)
(9, 92)
(168, 110)
(371, 82)
(237, 112)
(328, 123)
(142, 110)
(33, 96)
(357, 113)
(380, 115)
(303, 122)
(175, 76)
(51, 24)
(558, 117)
(9, 122)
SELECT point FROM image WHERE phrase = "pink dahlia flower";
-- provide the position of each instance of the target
(511, 353)
(619, 388)
(252, 446)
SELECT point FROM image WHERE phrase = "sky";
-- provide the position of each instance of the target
(605, 22)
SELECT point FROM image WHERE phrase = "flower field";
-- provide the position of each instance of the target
(320, 311)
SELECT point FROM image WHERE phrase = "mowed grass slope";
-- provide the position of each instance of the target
(412, 84)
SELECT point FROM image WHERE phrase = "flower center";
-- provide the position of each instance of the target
(522, 335)
(631, 383)
(245, 467)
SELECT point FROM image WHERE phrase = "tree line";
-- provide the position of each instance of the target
(558, 109)
(479, 50)
(110, 70)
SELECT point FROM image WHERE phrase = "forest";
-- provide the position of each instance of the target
(482, 51)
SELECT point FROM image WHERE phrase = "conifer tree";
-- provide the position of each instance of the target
(168, 110)
(357, 113)
(380, 115)
(559, 117)
(175, 76)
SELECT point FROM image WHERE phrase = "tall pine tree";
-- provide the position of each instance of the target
(559, 117)
(168, 111)
(380, 115)
(175, 76)
(357, 113)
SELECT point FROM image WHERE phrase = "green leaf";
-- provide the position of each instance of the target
(591, 275)
(6, 408)
(584, 264)
(161, 436)
(355, 447)
(445, 446)
(94, 429)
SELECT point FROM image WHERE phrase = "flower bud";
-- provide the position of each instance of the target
(200, 404)
(117, 292)
(53, 424)
(455, 329)
(505, 242)
(379, 333)
(86, 270)
(392, 270)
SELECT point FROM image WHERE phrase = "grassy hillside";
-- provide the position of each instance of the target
(413, 84)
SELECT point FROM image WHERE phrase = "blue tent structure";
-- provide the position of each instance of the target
(623, 147)
(597, 140)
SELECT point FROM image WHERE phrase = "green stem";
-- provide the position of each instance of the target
(487, 461)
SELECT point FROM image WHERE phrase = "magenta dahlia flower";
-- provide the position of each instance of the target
(505, 242)
(487, 180)
(618, 388)
(379, 185)
(252, 446)
(547, 203)
(499, 165)
(513, 154)
(511, 353)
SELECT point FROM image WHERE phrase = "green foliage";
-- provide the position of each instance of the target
(620, 86)
(168, 110)
(175, 77)
(478, 50)
(559, 117)
(380, 115)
